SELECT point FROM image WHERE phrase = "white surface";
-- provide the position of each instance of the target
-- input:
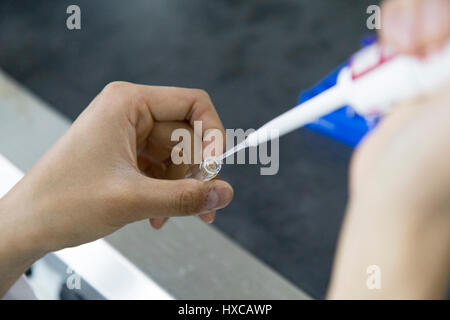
(9, 175)
(110, 273)
(99, 264)
(45, 281)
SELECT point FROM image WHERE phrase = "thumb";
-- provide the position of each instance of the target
(184, 197)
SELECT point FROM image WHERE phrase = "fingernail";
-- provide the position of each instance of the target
(218, 198)
(208, 217)
(158, 222)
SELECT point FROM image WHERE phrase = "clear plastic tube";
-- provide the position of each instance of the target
(207, 170)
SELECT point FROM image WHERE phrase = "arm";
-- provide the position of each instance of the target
(398, 216)
(111, 168)
(18, 245)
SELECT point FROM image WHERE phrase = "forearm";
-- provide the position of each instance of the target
(20, 241)
(411, 251)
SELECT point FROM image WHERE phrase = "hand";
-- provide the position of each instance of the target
(110, 169)
(417, 27)
(398, 217)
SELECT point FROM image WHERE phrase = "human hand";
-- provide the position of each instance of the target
(398, 216)
(416, 27)
(111, 169)
(411, 144)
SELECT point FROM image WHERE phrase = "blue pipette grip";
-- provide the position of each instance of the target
(342, 125)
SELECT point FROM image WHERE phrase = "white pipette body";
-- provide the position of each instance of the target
(371, 84)
(299, 116)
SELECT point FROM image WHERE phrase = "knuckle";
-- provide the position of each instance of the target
(203, 103)
(202, 94)
(114, 95)
(116, 88)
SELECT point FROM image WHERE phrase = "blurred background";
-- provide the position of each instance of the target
(254, 57)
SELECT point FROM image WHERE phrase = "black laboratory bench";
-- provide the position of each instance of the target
(253, 57)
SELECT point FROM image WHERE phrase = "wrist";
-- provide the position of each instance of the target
(22, 235)
(18, 246)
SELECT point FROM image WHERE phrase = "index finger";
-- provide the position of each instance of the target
(181, 104)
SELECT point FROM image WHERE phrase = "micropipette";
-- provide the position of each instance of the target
(371, 84)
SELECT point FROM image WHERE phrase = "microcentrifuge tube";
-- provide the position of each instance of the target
(207, 170)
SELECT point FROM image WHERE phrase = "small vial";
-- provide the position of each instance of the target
(207, 170)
